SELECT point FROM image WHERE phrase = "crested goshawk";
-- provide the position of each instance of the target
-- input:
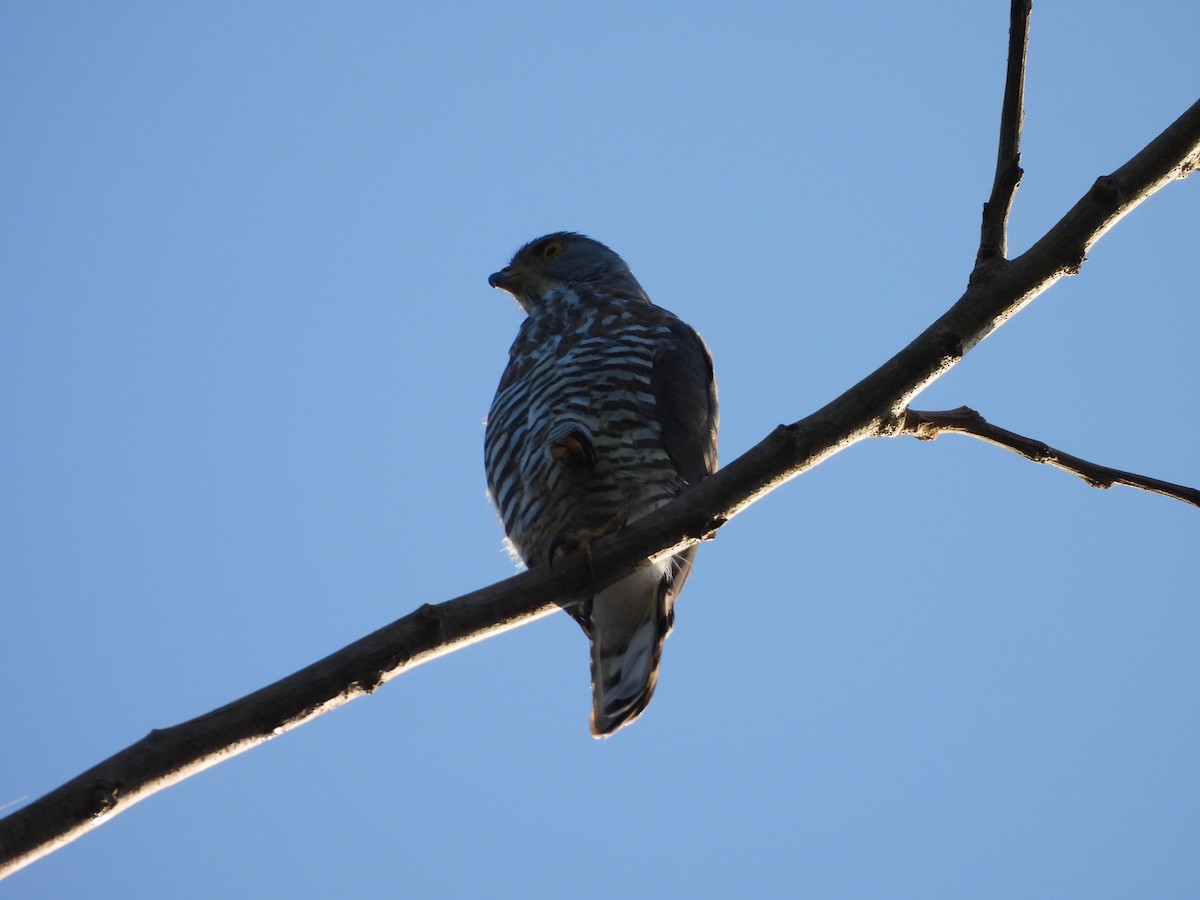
(607, 410)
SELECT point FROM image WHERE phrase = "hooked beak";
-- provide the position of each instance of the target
(504, 279)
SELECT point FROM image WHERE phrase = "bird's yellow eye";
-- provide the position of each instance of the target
(549, 249)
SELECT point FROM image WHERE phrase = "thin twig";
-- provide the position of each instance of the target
(925, 426)
(993, 238)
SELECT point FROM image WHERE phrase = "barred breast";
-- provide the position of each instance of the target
(587, 368)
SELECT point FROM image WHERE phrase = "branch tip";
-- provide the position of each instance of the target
(993, 233)
(927, 425)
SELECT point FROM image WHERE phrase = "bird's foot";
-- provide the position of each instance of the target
(567, 542)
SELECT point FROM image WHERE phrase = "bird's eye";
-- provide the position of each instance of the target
(550, 249)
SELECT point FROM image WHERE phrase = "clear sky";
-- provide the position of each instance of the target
(247, 344)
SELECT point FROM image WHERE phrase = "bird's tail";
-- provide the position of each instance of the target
(628, 623)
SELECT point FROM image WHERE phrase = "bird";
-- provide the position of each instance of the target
(606, 410)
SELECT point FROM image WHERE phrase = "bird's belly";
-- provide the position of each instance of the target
(632, 476)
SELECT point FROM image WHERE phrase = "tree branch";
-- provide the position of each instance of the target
(993, 238)
(874, 407)
(926, 426)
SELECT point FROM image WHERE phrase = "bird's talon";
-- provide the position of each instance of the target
(564, 543)
(585, 547)
(612, 526)
(561, 542)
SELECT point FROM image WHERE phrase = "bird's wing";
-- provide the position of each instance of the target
(685, 402)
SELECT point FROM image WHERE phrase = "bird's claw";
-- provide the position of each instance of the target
(564, 542)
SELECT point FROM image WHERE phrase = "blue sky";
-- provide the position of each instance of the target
(247, 344)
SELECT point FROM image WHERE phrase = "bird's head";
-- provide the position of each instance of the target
(565, 260)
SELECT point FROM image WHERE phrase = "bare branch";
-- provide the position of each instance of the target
(993, 238)
(874, 407)
(926, 425)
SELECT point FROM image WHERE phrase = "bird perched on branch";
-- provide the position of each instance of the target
(606, 411)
